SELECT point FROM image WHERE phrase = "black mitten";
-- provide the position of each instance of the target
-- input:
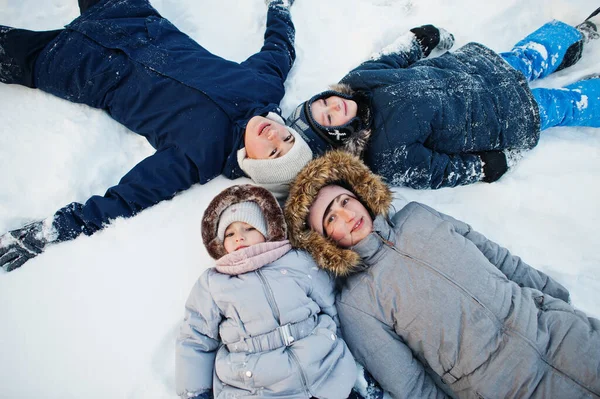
(282, 3)
(18, 246)
(430, 37)
(494, 165)
(208, 394)
(372, 390)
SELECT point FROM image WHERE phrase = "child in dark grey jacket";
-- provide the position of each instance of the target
(262, 322)
(432, 307)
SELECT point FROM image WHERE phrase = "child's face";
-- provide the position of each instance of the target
(266, 139)
(346, 221)
(333, 111)
(240, 235)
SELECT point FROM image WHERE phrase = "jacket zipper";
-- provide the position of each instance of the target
(393, 247)
(269, 295)
(276, 313)
(507, 331)
(302, 374)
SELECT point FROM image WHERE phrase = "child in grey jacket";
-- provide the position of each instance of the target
(262, 322)
(430, 306)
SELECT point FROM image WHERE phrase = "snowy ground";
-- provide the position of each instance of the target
(97, 317)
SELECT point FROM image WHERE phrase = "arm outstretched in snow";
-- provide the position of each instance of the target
(198, 341)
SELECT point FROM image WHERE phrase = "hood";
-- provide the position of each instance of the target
(335, 166)
(276, 228)
(349, 138)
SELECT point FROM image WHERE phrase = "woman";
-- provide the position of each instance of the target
(430, 306)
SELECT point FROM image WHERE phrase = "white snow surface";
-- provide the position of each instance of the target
(97, 317)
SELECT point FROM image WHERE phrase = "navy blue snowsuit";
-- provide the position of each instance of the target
(191, 105)
(430, 116)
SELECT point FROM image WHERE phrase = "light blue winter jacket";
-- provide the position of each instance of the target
(223, 310)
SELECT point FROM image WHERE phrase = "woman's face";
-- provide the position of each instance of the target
(240, 235)
(346, 221)
(333, 111)
(266, 139)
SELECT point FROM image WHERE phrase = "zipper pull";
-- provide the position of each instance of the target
(386, 242)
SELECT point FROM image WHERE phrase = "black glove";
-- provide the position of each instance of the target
(282, 3)
(494, 165)
(430, 37)
(203, 395)
(18, 246)
(373, 390)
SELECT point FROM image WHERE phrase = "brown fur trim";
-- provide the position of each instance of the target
(342, 88)
(356, 143)
(276, 227)
(331, 167)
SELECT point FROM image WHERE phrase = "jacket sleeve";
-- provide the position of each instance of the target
(322, 291)
(424, 168)
(158, 177)
(198, 341)
(510, 265)
(377, 346)
(277, 54)
(402, 53)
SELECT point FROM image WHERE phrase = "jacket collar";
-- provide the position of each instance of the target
(369, 249)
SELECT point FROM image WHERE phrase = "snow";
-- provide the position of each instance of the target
(97, 317)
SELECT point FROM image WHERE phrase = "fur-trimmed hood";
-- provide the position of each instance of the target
(335, 166)
(276, 228)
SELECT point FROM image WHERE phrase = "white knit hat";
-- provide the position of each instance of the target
(276, 174)
(247, 212)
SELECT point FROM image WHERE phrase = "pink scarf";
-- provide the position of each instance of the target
(255, 256)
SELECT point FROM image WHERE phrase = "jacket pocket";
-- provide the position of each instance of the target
(548, 303)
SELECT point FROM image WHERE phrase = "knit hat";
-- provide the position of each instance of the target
(267, 217)
(247, 212)
(276, 174)
(320, 204)
(321, 138)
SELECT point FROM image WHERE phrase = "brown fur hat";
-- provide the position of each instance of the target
(276, 228)
(334, 166)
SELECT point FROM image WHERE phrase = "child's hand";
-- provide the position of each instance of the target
(430, 37)
(282, 3)
(203, 395)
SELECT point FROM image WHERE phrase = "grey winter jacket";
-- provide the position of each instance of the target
(222, 310)
(438, 307)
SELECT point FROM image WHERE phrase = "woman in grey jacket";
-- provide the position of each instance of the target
(263, 322)
(430, 306)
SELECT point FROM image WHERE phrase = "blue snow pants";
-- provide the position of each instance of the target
(542, 53)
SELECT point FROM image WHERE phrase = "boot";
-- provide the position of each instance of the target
(589, 27)
(589, 31)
